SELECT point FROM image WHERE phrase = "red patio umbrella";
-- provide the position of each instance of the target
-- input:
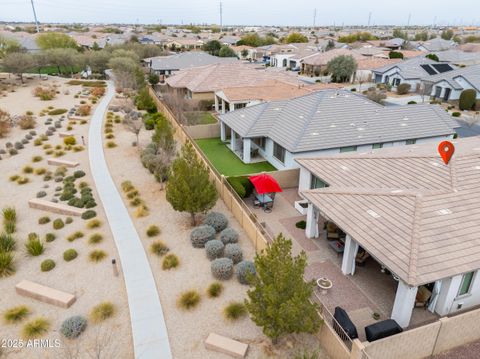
(264, 183)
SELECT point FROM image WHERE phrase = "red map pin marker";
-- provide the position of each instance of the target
(446, 150)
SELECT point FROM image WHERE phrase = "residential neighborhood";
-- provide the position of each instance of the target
(239, 180)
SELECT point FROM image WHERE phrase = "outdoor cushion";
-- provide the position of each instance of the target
(382, 329)
(345, 323)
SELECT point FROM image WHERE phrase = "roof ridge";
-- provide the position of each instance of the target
(453, 173)
(414, 243)
(319, 99)
(266, 105)
(354, 191)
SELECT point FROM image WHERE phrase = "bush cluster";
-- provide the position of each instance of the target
(201, 235)
(229, 235)
(214, 249)
(74, 326)
(244, 270)
(216, 220)
(222, 268)
(242, 186)
(234, 252)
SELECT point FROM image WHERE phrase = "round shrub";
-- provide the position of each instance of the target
(41, 194)
(222, 268)
(214, 249)
(235, 310)
(102, 312)
(43, 220)
(47, 265)
(243, 270)
(467, 99)
(456, 114)
(70, 141)
(78, 174)
(88, 214)
(189, 300)
(58, 224)
(73, 327)
(70, 255)
(217, 220)
(170, 261)
(50, 237)
(201, 235)
(153, 231)
(215, 289)
(229, 235)
(234, 252)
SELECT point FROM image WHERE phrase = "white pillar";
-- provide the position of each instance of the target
(404, 303)
(223, 136)
(223, 106)
(216, 103)
(349, 254)
(233, 140)
(247, 145)
(447, 295)
(231, 106)
(311, 230)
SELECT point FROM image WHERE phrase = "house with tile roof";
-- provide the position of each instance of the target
(328, 122)
(436, 44)
(413, 214)
(411, 71)
(449, 86)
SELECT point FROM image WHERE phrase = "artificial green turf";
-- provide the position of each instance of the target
(226, 162)
(201, 118)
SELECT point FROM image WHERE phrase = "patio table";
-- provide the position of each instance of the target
(337, 246)
(263, 198)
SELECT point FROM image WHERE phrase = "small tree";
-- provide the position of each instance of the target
(279, 300)
(54, 40)
(244, 53)
(403, 89)
(18, 63)
(144, 101)
(153, 79)
(376, 95)
(226, 51)
(5, 123)
(395, 55)
(189, 188)
(432, 57)
(133, 125)
(295, 37)
(342, 68)
(447, 34)
(212, 47)
(467, 100)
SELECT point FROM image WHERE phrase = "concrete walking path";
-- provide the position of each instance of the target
(150, 338)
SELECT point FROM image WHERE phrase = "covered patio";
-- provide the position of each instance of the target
(245, 148)
(371, 289)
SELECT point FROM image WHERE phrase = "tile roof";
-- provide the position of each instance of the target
(322, 58)
(337, 118)
(417, 216)
(218, 76)
(411, 68)
(458, 57)
(470, 73)
(185, 60)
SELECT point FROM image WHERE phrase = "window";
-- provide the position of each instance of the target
(316, 182)
(348, 149)
(410, 142)
(278, 152)
(466, 284)
(376, 146)
(260, 142)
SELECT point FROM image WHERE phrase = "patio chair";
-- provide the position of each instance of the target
(423, 297)
(267, 207)
(332, 231)
(361, 257)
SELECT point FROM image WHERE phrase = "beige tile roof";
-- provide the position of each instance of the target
(371, 63)
(414, 214)
(218, 76)
(322, 58)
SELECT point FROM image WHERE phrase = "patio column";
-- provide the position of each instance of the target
(311, 230)
(349, 254)
(448, 293)
(404, 303)
(223, 135)
(247, 145)
(233, 140)
(216, 103)
(223, 106)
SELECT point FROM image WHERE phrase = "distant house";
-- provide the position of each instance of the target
(417, 218)
(436, 44)
(448, 86)
(185, 43)
(229, 40)
(316, 63)
(251, 52)
(394, 44)
(411, 71)
(328, 122)
(290, 55)
(458, 57)
(167, 65)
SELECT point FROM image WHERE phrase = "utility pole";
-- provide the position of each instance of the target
(35, 16)
(409, 18)
(314, 17)
(369, 18)
(221, 17)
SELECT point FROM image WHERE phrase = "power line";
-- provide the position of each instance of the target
(35, 16)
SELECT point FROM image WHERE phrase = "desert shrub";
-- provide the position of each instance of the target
(94, 223)
(201, 235)
(45, 94)
(222, 268)
(456, 114)
(214, 249)
(111, 144)
(12, 152)
(18, 146)
(301, 224)
(229, 235)
(27, 169)
(97, 255)
(215, 289)
(37, 158)
(70, 254)
(244, 270)
(467, 99)
(242, 185)
(132, 194)
(68, 220)
(127, 186)
(75, 236)
(88, 214)
(217, 220)
(9, 227)
(70, 141)
(13, 178)
(58, 224)
(403, 88)
(34, 247)
(141, 211)
(74, 326)
(98, 91)
(7, 266)
(37, 142)
(47, 265)
(234, 252)
(83, 110)
(7, 242)
(110, 136)
(79, 174)
(170, 261)
(102, 312)
(189, 299)
(412, 102)
(159, 248)
(95, 238)
(9, 214)
(58, 111)
(137, 201)
(26, 122)
(50, 237)
(235, 310)
(16, 314)
(153, 231)
(36, 328)
(40, 171)
(43, 220)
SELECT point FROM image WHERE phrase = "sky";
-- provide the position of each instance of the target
(245, 12)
